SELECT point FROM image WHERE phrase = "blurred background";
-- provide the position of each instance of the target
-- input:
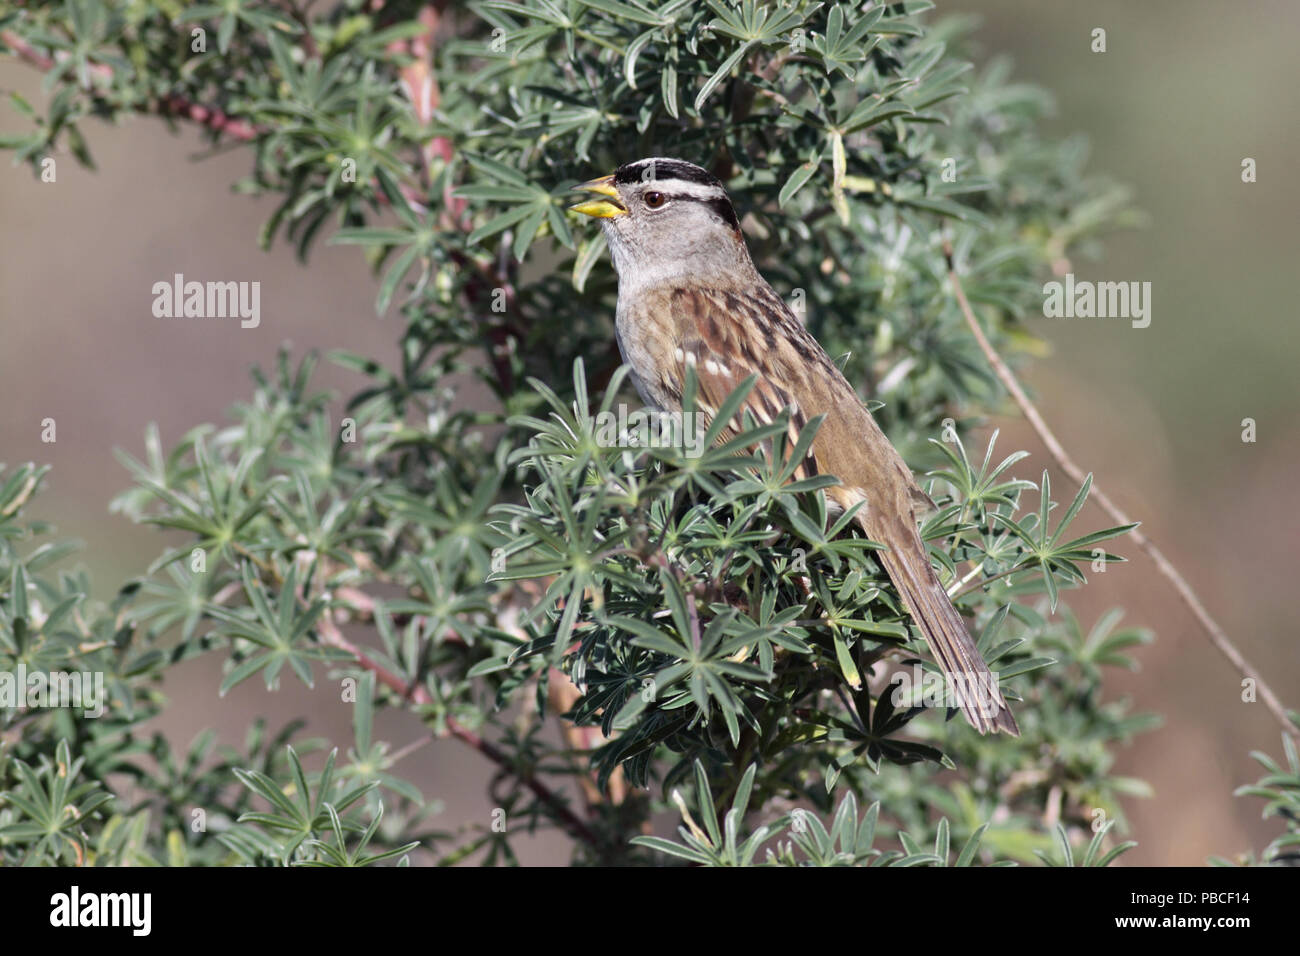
(1184, 92)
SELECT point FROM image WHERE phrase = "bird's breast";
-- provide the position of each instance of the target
(646, 339)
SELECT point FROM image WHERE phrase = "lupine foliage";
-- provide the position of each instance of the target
(728, 641)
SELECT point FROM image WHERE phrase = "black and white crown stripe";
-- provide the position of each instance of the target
(679, 179)
(662, 169)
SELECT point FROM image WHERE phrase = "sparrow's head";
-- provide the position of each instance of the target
(666, 218)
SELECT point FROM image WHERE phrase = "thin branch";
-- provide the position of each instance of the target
(173, 105)
(1218, 637)
(208, 117)
(978, 585)
(170, 104)
(26, 52)
(572, 822)
(578, 828)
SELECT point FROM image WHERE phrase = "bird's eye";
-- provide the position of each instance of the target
(655, 199)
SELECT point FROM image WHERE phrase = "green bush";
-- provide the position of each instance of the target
(712, 638)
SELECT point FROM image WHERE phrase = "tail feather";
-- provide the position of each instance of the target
(975, 687)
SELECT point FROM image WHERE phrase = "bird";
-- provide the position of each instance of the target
(689, 294)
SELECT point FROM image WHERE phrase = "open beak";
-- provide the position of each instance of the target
(606, 208)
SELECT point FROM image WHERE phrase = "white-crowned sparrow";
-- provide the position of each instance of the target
(688, 293)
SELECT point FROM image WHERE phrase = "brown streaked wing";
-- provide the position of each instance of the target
(715, 329)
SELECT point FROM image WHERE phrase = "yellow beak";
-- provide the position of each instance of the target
(600, 208)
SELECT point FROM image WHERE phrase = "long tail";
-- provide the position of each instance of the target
(976, 689)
